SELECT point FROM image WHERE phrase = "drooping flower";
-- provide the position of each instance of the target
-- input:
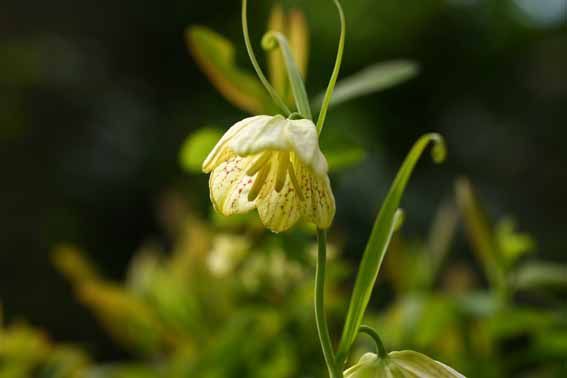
(403, 364)
(273, 164)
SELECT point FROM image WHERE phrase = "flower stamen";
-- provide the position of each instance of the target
(259, 182)
(295, 183)
(258, 163)
(283, 164)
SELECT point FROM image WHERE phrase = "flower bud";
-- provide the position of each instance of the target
(401, 364)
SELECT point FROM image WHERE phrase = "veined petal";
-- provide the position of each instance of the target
(261, 136)
(229, 186)
(278, 211)
(403, 364)
(422, 366)
(221, 153)
(318, 205)
(274, 164)
(304, 141)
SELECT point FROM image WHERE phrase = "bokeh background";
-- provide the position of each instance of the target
(97, 98)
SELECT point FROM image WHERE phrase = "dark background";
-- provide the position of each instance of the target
(98, 96)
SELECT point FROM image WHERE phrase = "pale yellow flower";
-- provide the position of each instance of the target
(403, 364)
(273, 164)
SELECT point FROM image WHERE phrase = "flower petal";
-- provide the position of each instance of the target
(221, 153)
(261, 136)
(278, 211)
(422, 366)
(303, 139)
(318, 205)
(229, 186)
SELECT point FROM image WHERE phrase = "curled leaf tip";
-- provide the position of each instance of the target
(439, 150)
(269, 40)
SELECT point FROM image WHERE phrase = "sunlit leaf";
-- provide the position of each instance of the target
(380, 239)
(375, 78)
(215, 56)
(513, 244)
(196, 148)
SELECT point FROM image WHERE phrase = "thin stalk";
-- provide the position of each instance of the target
(336, 69)
(277, 99)
(374, 335)
(320, 317)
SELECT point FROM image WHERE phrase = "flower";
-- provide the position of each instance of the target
(273, 164)
(405, 363)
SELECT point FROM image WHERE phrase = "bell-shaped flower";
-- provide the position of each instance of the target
(273, 164)
(403, 364)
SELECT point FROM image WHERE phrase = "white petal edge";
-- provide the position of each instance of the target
(220, 152)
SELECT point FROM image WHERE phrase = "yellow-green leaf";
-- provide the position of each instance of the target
(215, 56)
(196, 148)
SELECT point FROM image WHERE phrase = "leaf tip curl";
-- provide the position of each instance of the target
(439, 150)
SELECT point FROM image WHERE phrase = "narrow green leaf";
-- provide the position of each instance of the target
(375, 78)
(541, 275)
(196, 148)
(386, 222)
(441, 236)
(272, 40)
(216, 57)
(480, 234)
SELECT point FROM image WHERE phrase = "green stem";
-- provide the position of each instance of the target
(320, 318)
(335, 74)
(277, 99)
(374, 335)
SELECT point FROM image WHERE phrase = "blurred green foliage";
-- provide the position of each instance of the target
(220, 303)
(26, 352)
(509, 329)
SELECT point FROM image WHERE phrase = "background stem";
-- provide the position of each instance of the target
(277, 99)
(320, 317)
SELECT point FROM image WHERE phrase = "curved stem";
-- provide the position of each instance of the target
(277, 99)
(320, 318)
(336, 69)
(374, 335)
